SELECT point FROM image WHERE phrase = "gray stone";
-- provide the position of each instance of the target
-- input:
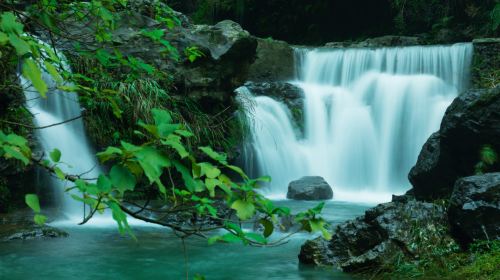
(373, 240)
(471, 121)
(275, 62)
(309, 188)
(474, 211)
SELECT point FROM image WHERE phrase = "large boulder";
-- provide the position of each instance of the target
(386, 231)
(474, 211)
(228, 51)
(471, 122)
(309, 188)
(275, 62)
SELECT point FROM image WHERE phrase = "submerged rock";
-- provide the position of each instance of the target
(474, 211)
(383, 232)
(309, 188)
(472, 121)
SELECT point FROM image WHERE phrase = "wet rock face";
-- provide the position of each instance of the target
(309, 188)
(474, 211)
(472, 121)
(383, 232)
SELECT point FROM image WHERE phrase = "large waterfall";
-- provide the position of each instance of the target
(60, 111)
(367, 113)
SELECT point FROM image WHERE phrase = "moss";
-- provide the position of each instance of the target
(480, 262)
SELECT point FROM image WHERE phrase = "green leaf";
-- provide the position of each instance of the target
(211, 184)
(122, 178)
(109, 154)
(119, 216)
(55, 155)
(153, 162)
(244, 209)
(161, 116)
(19, 45)
(3, 38)
(10, 24)
(209, 170)
(53, 72)
(268, 227)
(319, 225)
(81, 185)
(230, 238)
(184, 133)
(104, 184)
(40, 219)
(177, 145)
(32, 72)
(33, 202)
(238, 170)
(155, 34)
(191, 184)
(59, 173)
(13, 152)
(488, 155)
(219, 157)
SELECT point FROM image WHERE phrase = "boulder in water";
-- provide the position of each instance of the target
(309, 188)
(474, 211)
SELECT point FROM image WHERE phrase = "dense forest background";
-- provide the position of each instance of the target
(321, 21)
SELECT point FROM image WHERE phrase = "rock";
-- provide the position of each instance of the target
(474, 211)
(472, 121)
(309, 188)
(36, 232)
(377, 42)
(275, 62)
(228, 51)
(289, 94)
(486, 63)
(385, 231)
(19, 225)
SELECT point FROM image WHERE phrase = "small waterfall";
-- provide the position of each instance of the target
(78, 158)
(367, 114)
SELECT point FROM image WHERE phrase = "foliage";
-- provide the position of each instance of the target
(488, 158)
(479, 262)
(159, 156)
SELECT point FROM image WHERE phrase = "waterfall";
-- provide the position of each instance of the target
(70, 138)
(367, 113)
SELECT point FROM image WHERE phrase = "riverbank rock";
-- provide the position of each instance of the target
(471, 122)
(388, 230)
(19, 225)
(309, 188)
(474, 211)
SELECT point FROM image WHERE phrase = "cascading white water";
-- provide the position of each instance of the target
(367, 114)
(70, 138)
